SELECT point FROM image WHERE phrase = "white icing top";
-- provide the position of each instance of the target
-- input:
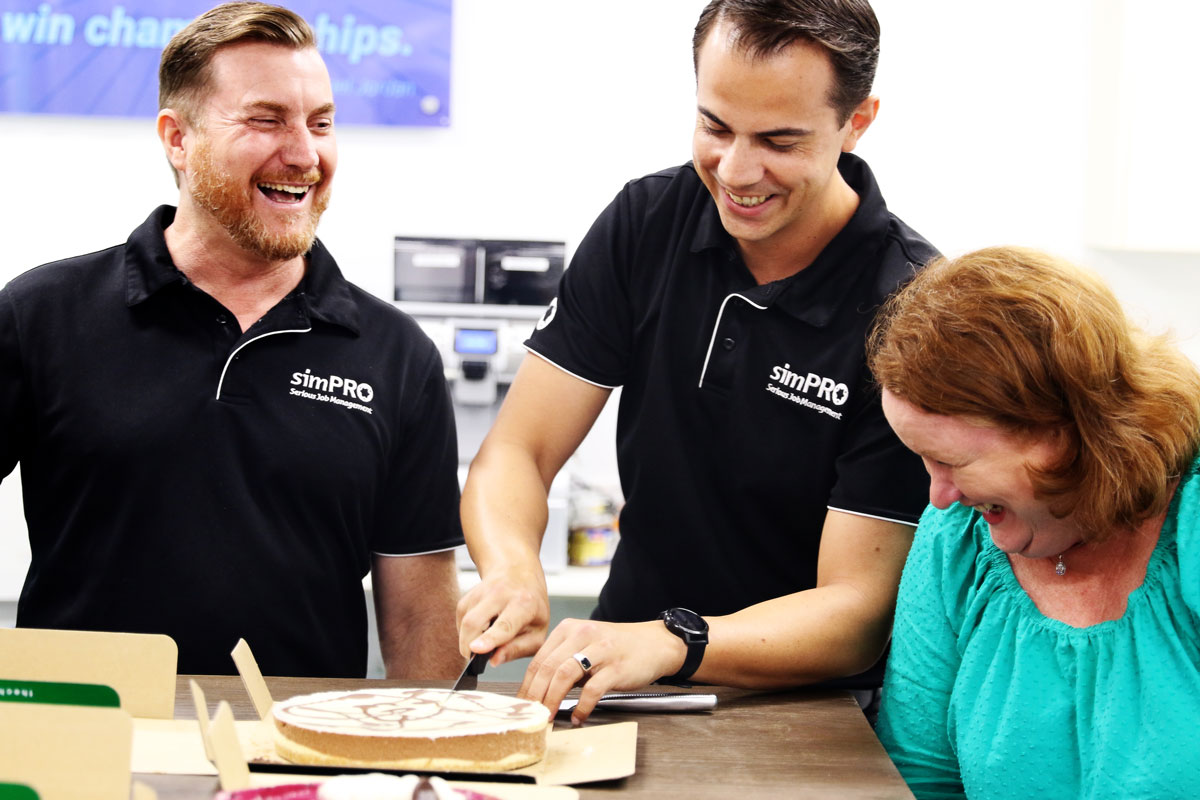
(410, 712)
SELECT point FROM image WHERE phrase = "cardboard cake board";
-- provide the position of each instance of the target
(580, 755)
(139, 666)
(234, 772)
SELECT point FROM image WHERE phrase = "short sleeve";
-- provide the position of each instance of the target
(1187, 541)
(15, 418)
(587, 330)
(914, 712)
(420, 495)
(876, 474)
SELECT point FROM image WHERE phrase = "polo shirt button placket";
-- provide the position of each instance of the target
(719, 370)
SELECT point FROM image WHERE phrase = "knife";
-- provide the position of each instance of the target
(649, 702)
(470, 675)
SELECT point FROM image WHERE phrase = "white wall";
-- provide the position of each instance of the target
(983, 138)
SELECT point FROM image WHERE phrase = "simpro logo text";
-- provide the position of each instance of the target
(827, 388)
(334, 384)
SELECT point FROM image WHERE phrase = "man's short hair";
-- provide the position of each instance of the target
(846, 29)
(184, 71)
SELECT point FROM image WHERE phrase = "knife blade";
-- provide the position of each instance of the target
(470, 675)
(648, 702)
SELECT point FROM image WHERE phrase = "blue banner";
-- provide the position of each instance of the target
(389, 59)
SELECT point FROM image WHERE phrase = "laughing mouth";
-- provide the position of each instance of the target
(989, 508)
(747, 202)
(284, 193)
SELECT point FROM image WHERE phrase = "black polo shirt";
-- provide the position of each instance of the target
(746, 410)
(182, 477)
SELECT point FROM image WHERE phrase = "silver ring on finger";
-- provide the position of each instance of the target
(583, 662)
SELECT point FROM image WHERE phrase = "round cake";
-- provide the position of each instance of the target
(426, 729)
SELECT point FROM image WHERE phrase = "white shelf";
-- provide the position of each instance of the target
(575, 582)
(568, 582)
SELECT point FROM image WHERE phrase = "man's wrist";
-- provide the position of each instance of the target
(692, 631)
(673, 648)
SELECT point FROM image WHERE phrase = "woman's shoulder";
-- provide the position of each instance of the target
(1185, 512)
(1187, 496)
(952, 554)
(954, 534)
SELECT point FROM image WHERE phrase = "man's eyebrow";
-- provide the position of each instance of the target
(267, 105)
(783, 133)
(704, 111)
(279, 108)
(772, 134)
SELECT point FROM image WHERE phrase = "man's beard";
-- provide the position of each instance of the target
(215, 191)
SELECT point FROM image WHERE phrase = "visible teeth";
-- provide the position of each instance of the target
(748, 202)
(989, 508)
(281, 187)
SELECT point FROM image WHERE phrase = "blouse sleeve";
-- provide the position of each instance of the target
(914, 712)
(1186, 538)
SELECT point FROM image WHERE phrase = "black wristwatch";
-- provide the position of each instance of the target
(691, 627)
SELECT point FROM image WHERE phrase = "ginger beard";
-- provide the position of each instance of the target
(231, 205)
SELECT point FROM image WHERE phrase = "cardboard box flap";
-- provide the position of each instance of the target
(139, 666)
(67, 752)
(227, 752)
(252, 678)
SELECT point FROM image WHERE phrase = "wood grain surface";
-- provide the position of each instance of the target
(793, 744)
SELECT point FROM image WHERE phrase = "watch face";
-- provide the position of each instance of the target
(685, 620)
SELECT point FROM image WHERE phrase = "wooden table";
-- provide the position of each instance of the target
(811, 744)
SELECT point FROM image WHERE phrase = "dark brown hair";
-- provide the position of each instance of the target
(846, 29)
(183, 71)
(1034, 345)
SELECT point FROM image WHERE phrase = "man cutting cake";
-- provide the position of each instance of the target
(769, 508)
(219, 436)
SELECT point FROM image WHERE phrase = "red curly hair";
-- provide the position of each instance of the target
(1035, 345)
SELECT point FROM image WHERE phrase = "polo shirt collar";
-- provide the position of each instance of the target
(814, 294)
(323, 291)
(326, 293)
(148, 264)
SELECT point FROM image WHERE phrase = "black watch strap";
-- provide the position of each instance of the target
(691, 627)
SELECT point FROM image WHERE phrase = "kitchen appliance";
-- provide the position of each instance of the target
(478, 300)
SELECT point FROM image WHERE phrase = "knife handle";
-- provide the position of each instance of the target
(478, 663)
(648, 702)
(674, 702)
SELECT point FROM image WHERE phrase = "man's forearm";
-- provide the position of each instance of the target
(415, 598)
(807, 637)
(504, 510)
(420, 651)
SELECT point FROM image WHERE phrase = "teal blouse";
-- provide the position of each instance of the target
(987, 698)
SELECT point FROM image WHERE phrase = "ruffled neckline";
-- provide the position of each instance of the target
(999, 570)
